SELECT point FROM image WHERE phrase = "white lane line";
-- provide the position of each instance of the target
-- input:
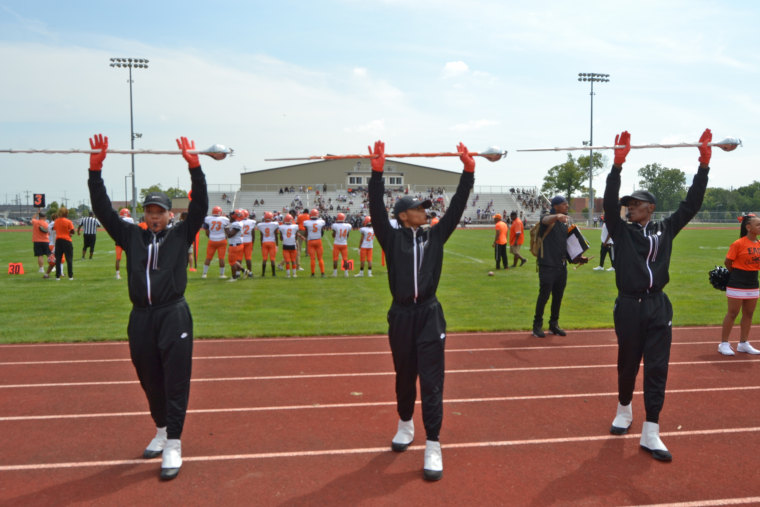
(313, 406)
(338, 354)
(373, 450)
(373, 374)
(703, 503)
(224, 341)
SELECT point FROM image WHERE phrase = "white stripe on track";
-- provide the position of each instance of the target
(337, 354)
(710, 502)
(222, 341)
(372, 374)
(371, 450)
(313, 406)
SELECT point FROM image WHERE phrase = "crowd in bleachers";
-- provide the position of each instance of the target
(354, 201)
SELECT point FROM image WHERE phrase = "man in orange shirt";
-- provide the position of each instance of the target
(500, 242)
(40, 238)
(516, 239)
(63, 246)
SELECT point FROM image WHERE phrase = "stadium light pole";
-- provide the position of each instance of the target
(130, 63)
(592, 77)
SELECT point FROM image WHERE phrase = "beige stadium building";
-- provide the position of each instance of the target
(345, 181)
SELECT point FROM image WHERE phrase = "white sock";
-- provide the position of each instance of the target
(205, 269)
(221, 271)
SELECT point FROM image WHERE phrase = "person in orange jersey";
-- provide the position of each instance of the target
(743, 263)
(63, 245)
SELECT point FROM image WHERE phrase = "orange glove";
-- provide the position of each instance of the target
(98, 142)
(379, 161)
(623, 139)
(705, 152)
(466, 158)
(192, 158)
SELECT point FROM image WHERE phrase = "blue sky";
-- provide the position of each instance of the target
(295, 78)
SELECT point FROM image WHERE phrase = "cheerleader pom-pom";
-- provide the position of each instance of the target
(719, 277)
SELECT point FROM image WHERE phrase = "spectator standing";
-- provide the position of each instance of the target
(500, 242)
(63, 245)
(40, 239)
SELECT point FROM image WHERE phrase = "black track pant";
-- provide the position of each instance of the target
(551, 282)
(606, 249)
(500, 253)
(161, 346)
(417, 335)
(643, 328)
(64, 247)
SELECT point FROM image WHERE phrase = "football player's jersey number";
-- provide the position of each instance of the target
(216, 226)
(369, 237)
(289, 233)
(342, 234)
(246, 229)
(314, 228)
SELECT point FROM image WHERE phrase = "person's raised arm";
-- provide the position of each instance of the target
(693, 201)
(101, 204)
(458, 203)
(198, 207)
(377, 192)
(612, 190)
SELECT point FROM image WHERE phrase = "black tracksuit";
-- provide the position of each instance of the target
(552, 272)
(160, 326)
(643, 313)
(416, 325)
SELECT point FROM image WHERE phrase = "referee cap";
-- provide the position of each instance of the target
(639, 195)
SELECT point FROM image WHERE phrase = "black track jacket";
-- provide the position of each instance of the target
(642, 255)
(415, 258)
(156, 263)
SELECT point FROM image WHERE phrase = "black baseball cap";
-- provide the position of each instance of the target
(159, 199)
(408, 202)
(639, 195)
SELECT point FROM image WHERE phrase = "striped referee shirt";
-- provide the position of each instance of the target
(90, 225)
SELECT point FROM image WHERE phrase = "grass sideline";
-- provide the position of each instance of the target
(95, 306)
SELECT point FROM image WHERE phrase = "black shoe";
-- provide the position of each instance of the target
(616, 430)
(659, 454)
(168, 474)
(555, 329)
(522, 262)
(538, 332)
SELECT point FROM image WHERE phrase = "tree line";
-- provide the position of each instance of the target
(667, 184)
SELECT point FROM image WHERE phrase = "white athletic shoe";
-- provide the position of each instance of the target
(222, 276)
(156, 446)
(361, 274)
(171, 459)
(345, 273)
(610, 269)
(725, 349)
(404, 435)
(42, 270)
(300, 268)
(623, 419)
(599, 268)
(746, 348)
(433, 469)
(370, 275)
(650, 441)
(203, 275)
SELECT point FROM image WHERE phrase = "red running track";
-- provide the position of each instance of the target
(308, 421)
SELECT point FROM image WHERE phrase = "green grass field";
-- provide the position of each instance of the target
(95, 306)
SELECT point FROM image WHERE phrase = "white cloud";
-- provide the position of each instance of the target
(454, 69)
